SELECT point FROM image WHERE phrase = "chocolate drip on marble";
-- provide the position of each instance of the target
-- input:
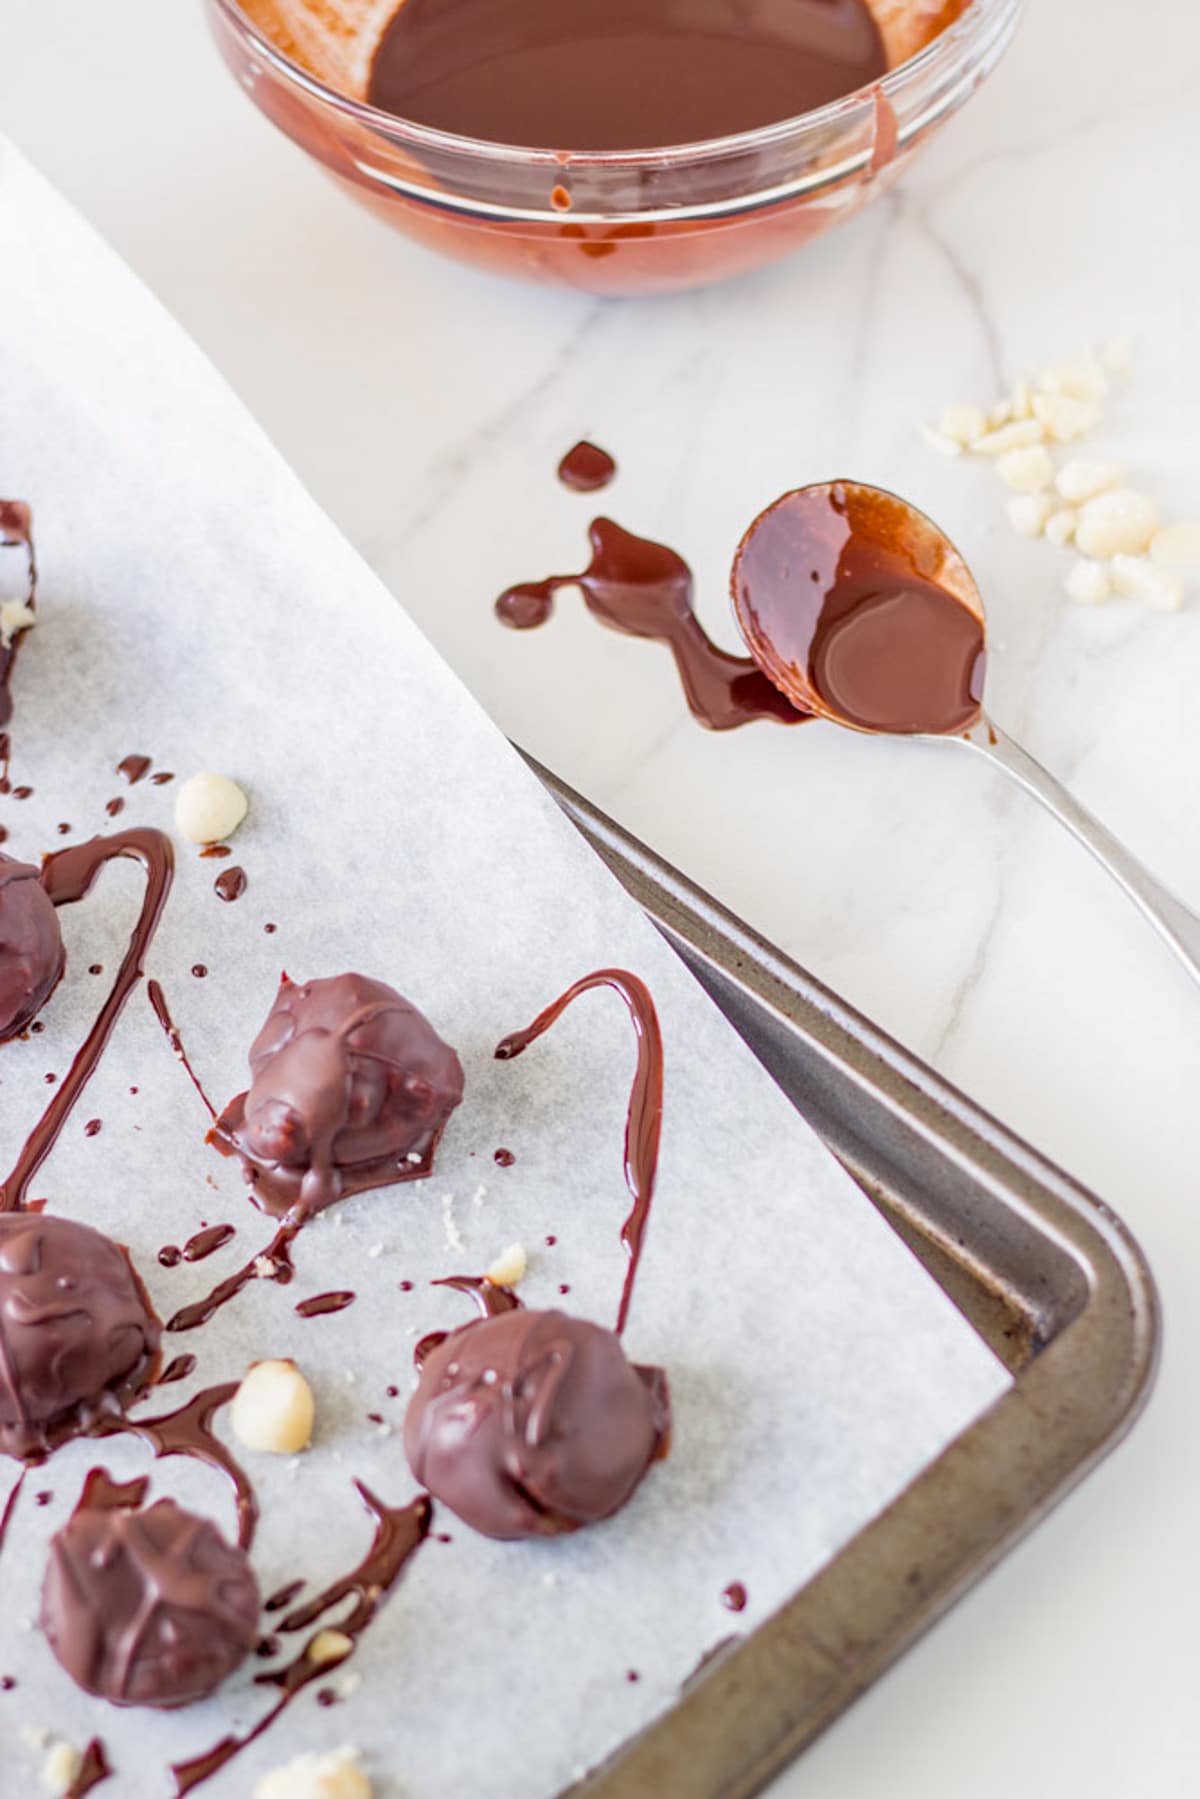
(16, 533)
(67, 876)
(101, 1493)
(644, 589)
(586, 468)
(399, 1533)
(134, 768)
(643, 1126)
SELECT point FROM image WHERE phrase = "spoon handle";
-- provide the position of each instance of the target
(1175, 922)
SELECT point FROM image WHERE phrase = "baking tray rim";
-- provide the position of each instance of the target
(756, 1704)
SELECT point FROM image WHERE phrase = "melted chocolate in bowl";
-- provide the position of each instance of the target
(852, 602)
(619, 74)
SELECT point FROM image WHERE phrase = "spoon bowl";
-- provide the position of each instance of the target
(862, 611)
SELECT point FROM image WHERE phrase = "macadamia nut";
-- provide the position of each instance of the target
(509, 1267)
(209, 808)
(337, 1775)
(273, 1409)
(1117, 523)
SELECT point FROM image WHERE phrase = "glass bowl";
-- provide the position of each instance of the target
(629, 222)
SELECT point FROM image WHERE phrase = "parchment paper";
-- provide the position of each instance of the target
(198, 608)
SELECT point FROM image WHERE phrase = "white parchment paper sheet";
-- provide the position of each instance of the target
(196, 607)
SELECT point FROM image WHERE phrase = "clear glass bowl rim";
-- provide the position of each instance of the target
(956, 56)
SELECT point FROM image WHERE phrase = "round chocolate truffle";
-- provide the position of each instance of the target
(534, 1423)
(78, 1337)
(351, 1088)
(148, 1607)
(32, 956)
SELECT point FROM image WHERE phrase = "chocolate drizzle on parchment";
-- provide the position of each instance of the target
(643, 1126)
(399, 1533)
(67, 876)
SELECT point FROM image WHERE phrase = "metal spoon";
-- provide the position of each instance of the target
(861, 611)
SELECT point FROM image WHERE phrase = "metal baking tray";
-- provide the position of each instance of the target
(1046, 1273)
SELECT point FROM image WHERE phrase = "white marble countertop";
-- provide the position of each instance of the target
(426, 407)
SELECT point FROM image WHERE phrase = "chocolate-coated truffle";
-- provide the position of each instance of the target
(78, 1338)
(534, 1423)
(148, 1607)
(31, 946)
(351, 1088)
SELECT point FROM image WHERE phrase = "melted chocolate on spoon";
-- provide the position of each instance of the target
(643, 1125)
(619, 74)
(16, 533)
(835, 588)
(399, 1533)
(67, 876)
(644, 589)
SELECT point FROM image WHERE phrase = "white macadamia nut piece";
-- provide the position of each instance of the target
(1028, 512)
(1017, 436)
(1136, 578)
(999, 414)
(1078, 481)
(337, 1775)
(1020, 401)
(1028, 471)
(15, 616)
(329, 1646)
(1083, 379)
(1087, 583)
(209, 808)
(1177, 546)
(962, 423)
(1065, 418)
(1117, 523)
(508, 1270)
(1060, 526)
(273, 1409)
(937, 440)
(60, 1768)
